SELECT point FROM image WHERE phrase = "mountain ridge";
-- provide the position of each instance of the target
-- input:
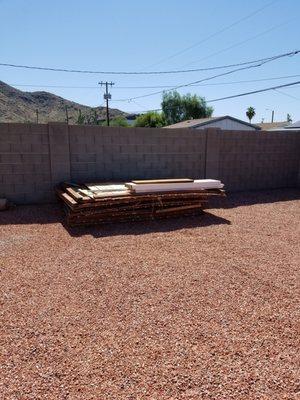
(19, 106)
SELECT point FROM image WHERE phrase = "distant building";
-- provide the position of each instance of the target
(226, 122)
(267, 126)
(280, 126)
(294, 126)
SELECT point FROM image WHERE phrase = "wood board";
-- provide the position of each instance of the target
(85, 207)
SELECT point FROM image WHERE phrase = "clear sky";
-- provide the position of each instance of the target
(137, 35)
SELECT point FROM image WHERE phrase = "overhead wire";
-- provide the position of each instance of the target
(275, 88)
(255, 91)
(156, 87)
(287, 94)
(195, 82)
(213, 34)
(33, 67)
(240, 43)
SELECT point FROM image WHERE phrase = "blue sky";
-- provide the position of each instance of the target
(144, 35)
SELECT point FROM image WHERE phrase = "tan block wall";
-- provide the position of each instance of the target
(34, 158)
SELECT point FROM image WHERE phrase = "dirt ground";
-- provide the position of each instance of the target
(196, 308)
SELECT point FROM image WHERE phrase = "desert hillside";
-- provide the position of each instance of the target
(19, 106)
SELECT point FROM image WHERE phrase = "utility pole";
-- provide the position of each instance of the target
(37, 116)
(107, 96)
(272, 118)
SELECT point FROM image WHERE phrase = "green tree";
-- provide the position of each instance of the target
(289, 118)
(80, 118)
(89, 118)
(178, 108)
(250, 113)
(150, 119)
(119, 121)
(93, 118)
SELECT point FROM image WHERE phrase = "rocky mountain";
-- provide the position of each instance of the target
(19, 106)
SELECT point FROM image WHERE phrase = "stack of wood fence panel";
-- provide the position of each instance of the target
(97, 203)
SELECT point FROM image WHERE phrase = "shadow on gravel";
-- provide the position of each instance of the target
(32, 214)
(53, 213)
(255, 197)
(144, 227)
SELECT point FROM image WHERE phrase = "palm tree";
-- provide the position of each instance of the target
(250, 113)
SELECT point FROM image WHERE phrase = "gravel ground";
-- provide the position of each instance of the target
(195, 308)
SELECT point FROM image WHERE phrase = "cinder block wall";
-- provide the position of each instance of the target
(128, 153)
(25, 173)
(34, 158)
(259, 160)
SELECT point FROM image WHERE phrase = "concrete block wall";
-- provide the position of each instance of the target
(101, 153)
(25, 173)
(34, 158)
(59, 152)
(259, 160)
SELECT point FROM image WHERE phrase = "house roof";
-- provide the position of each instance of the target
(295, 125)
(276, 126)
(272, 125)
(194, 123)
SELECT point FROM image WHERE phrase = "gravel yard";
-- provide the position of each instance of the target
(196, 308)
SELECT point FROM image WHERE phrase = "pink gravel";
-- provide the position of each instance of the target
(195, 308)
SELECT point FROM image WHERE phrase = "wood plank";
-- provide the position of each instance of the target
(96, 211)
(151, 181)
(164, 198)
(85, 192)
(180, 208)
(148, 217)
(132, 199)
(111, 212)
(163, 187)
(94, 186)
(114, 206)
(101, 195)
(77, 196)
(65, 197)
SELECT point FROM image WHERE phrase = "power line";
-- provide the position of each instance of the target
(213, 34)
(158, 86)
(139, 72)
(239, 43)
(246, 93)
(255, 91)
(249, 81)
(195, 82)
(32, 67)
(138, 104)
(288, 95)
